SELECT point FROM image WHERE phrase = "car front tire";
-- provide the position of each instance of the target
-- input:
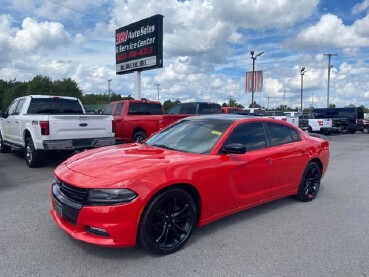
(168, 221)
(310, 183)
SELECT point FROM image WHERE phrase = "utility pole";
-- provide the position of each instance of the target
(109, 87)
(158, 89)
(329, 74)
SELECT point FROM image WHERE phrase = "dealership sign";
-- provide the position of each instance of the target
(139, 46)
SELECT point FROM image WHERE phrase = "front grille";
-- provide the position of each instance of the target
(74, 194)
(70, 198)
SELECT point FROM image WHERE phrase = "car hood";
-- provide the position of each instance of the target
(126, 160)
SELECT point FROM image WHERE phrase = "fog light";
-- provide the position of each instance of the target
(97, 231)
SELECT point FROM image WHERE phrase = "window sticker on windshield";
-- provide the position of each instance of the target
(216, 133)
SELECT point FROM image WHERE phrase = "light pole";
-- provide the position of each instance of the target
(302, 72)
(158, 89)
(329, 74)
(253, 74)
(109, 86)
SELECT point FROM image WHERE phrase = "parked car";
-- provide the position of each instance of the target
(196, 171)
(183, 110)
(39, 123)
(354, 115)
(365, 126)
(135, 120)
(234, 110)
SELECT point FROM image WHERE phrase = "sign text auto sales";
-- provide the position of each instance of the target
(139, 46)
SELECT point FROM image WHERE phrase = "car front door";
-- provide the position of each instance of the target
(249, 175)
(8, 123)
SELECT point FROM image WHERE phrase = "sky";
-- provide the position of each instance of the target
(206, 48)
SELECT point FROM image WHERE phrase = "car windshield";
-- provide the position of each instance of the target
(192, 136)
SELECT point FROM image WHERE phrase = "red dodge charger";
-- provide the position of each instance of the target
(194, 172)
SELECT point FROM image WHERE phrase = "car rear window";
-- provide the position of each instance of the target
(209, 108)
(145, 108)
(54, 106)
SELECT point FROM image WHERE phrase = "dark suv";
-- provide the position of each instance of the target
(195, 108)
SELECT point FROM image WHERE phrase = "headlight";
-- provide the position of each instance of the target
(109, 196)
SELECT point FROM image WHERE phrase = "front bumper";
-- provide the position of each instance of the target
(119, 222)
(75, 144)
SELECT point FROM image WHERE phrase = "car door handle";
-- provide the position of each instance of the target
(16, 122)
(268, 161)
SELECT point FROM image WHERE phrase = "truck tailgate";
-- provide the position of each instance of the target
(80, 126)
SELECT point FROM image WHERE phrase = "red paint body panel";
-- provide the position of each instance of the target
(225, 183)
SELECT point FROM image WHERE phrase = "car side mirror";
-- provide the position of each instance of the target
(234, 148)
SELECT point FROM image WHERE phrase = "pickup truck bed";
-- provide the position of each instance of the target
(40, 123)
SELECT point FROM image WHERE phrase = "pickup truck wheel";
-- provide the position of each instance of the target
(139, 136)
(33, 157)
(310, 130)
(344, 131)
(4, 148)
(310, 183)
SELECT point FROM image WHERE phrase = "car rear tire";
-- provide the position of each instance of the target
(139, 136)
(310, 183)
(168, 221)
(366, 130)
(4, 148)
(33, 157)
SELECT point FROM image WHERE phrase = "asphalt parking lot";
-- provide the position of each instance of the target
(327, 237)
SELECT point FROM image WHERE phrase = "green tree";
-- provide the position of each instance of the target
(66, 87)
(332, 105)
(40, 85)
(255, 105)
(168, 103)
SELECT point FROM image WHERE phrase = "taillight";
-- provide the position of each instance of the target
(320, 123)
(45, 131)
(284, 119)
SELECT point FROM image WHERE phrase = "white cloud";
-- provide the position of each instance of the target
(330, 31)
(358, 8)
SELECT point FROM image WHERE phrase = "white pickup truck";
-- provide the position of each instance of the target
(39, 123)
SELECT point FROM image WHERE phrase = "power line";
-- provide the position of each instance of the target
(113, 23)
(81, 12)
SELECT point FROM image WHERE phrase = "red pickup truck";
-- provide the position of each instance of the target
(135, 120)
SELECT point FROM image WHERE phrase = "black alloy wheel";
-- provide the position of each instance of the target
(4, 148)
(310, 183)
(139, 136)
(168, 221)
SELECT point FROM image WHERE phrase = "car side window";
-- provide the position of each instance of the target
(12, 108)
(295, 135)
(280, 134)
(252, 135)
(118, 108)
(108, 110)
(188, 108)
(20, 106)
(174, 109)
